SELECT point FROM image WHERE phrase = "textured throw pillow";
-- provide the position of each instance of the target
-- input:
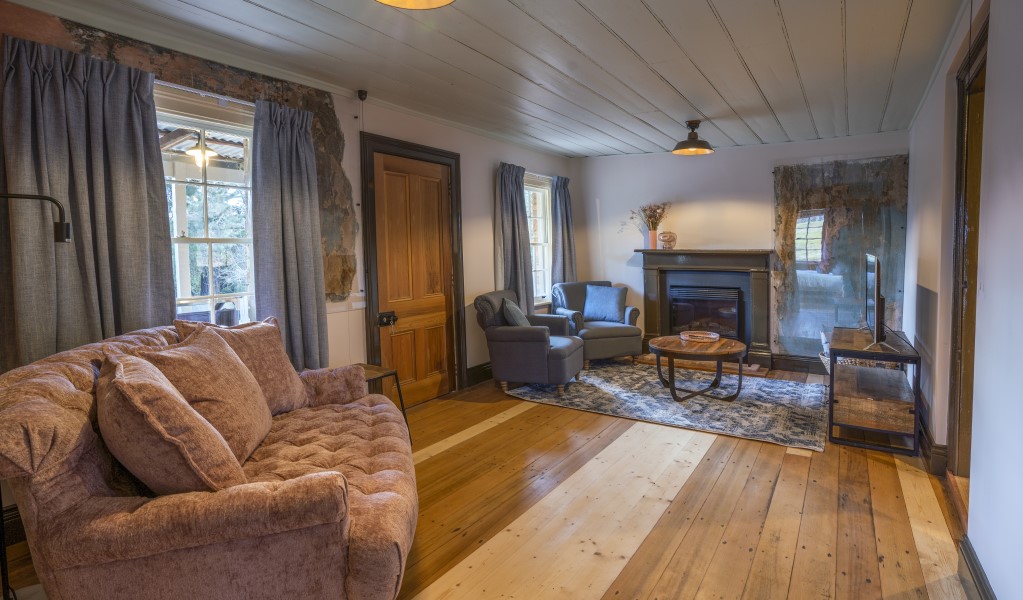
(605, 303)
(261, 349)
(150, 428)
(513, 314)
(215, 383)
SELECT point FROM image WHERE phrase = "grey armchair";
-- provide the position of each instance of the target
(544, 352)
(601, 339)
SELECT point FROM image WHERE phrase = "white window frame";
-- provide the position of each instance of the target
(540, 184)
(802, 237)
(204, 113)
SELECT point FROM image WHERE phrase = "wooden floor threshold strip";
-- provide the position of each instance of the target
(471, 432)
(575, 541)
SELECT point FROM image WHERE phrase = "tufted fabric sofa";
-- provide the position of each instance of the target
(329, 509)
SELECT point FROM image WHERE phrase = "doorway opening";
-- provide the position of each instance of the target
(971, 83)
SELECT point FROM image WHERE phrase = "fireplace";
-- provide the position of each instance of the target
(717, 310)
(724, 291)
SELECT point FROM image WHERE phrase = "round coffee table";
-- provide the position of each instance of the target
(672, 347)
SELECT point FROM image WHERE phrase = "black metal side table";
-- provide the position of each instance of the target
(378, 373)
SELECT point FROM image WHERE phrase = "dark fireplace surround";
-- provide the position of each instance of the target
(700, 289)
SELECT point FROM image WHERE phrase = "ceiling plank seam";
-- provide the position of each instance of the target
(710, 83)
(895, 65)
(745, 65)
(795, 65)
(845, 65)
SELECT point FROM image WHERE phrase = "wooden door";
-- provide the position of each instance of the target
(413, 248)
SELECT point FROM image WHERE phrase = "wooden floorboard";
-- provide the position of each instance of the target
(535, 501)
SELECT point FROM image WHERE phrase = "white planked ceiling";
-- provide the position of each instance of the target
(579, 77)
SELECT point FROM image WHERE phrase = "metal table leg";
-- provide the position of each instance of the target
(670, 383)
(401, 401)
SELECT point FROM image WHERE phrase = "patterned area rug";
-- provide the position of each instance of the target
(788, 413)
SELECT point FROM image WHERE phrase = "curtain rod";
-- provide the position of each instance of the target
(183, 88)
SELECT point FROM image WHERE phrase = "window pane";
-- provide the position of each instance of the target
(228, 211)
(195, 311)
(231, 268)
(199, 269)
(175, 141)
(230, 164)
(538, 284)
(191, 194)
(169, 190)
(537, 231)
(246, 306)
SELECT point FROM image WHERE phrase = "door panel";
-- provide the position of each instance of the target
(414, 274)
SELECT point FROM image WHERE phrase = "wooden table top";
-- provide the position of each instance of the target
(673, 344)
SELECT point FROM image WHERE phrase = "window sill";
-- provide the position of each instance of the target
(543, 305)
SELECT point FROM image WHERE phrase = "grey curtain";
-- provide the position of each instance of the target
(562, 233)
(286, 243)
(83, 131)
(513, 265)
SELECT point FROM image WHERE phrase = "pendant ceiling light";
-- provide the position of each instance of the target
(693, 145)
(416, 4)
(201, 155)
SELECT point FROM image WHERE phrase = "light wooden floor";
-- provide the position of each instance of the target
(522, 500)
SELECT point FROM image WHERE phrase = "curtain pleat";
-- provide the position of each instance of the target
(513, 265)
(83, 131)
(562, 233)
(286, 243)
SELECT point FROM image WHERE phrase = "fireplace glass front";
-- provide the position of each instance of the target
(718, 310)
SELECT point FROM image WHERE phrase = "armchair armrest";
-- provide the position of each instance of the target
(575, 318)
(334, 386)
(557, 324)
(631, 315)
(512, 333)
(104, 529)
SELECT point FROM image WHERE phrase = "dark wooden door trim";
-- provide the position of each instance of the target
(960, 416)
(370, 145)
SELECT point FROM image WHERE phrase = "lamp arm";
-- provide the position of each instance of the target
(60, 207)
(62, 229)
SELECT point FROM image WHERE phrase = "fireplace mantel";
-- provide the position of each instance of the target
(660, 266)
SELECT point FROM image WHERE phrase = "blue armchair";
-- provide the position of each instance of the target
(544, 352)
(602, 338)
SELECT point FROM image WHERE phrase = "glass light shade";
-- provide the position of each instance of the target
(200, 155)
(416, 4)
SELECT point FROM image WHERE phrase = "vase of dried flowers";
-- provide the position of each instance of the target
(650, 215)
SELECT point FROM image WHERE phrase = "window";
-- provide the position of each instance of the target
(207, 170)
(538, 218)
(809, 236)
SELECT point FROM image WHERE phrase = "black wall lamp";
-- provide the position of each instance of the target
(61, 228)
(61, 233)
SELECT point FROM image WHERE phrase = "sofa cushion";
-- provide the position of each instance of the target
(608, 329)
(261, 349)
(151, 429)
(365, 440)
(214, 381)
(604, 303)
(513, 314)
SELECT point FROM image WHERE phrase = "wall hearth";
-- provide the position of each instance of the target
(747, 271)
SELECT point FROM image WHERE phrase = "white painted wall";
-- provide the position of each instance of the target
(929, 235)
(480, 156)
(928, 299)
(996, 478)
(721, 201)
